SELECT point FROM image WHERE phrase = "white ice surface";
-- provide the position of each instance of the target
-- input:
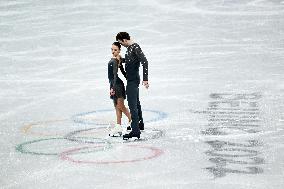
(53, 84)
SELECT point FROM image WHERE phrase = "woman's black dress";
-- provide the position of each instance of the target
(115, 82)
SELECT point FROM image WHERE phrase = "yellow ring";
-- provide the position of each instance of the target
(27, 129)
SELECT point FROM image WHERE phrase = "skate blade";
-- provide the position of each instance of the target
(132, 139)
(115, 135)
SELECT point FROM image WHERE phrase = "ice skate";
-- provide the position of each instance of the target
(129, 126)
(117, 130)
(141, 126)
(131, 135)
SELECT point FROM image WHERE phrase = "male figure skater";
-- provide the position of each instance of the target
(133, 57)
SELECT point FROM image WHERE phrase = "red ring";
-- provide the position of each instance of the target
(156, 152)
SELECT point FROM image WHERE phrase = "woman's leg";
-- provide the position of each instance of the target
(122, 108)
(118, 113)
(117, 129)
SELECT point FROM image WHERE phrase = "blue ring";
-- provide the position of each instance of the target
(160, 116)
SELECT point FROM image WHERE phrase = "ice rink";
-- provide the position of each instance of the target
(213, 113)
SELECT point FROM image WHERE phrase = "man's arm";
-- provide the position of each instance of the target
(122, 70)
(142, 58)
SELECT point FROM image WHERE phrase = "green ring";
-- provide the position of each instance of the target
(21, 147)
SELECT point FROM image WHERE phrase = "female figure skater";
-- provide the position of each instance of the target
(117, 89)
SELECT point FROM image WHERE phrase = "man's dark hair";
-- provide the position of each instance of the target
(122, 35)
(117, 44)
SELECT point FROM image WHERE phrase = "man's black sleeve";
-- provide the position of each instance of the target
(143, 60)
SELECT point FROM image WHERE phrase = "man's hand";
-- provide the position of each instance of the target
(111, 92)
(146, 84)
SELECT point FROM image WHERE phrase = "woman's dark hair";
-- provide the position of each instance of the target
(122, 35)
(117, 44)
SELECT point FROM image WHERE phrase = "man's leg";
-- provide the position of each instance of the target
(140, 117)
(132, 94)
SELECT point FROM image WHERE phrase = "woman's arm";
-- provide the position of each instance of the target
(115, 69)
(110, 74)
